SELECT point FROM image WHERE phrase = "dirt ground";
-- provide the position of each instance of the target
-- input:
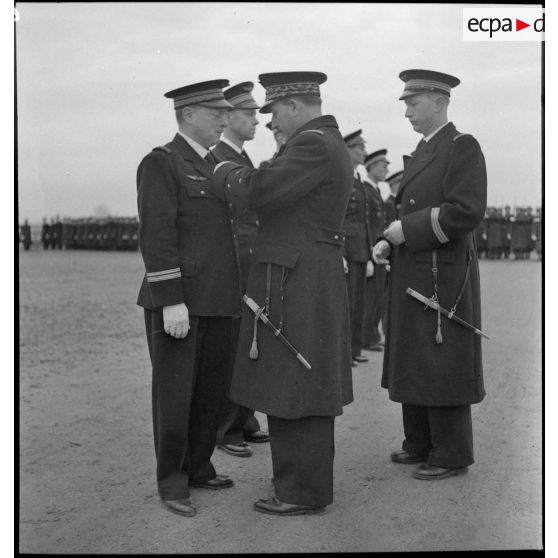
(86, 453)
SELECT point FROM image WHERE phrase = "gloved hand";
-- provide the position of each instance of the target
(394, 233)
(345, 266)
(369, 268)
(381, 252)
(176, 320)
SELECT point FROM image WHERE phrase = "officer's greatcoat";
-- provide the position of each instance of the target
(442, 199)
(300, 198)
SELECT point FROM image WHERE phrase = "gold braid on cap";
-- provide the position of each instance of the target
(274, 92)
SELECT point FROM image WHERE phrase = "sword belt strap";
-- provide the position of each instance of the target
(267, 302)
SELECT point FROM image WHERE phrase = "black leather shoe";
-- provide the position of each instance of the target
(258, 437)
(219, 482)
(360, 358)
(432, 472)
(236, 450)
(182, 506)
(402, 456)
(274, 506)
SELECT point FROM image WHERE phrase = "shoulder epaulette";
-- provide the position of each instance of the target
(312, 131)
(163, 148)
(460, 136)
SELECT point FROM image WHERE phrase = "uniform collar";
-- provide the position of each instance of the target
(431, 135)
(231, 144)
(198, 148)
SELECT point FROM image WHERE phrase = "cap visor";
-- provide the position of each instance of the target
(247, 105)
(266, 107)
(217, 103)
(407, 94)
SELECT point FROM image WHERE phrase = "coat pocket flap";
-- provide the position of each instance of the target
(187, 267)
(279, 254)
(198, 188)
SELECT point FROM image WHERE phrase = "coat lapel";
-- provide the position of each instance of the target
(188, 154)
(415, 164)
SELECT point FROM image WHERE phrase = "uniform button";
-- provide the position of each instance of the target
(335, 236)
(257, 222)
(250, 250)
(412, 201)
(228, 185)
(398, 206)
(202, 192)
(230, 204)
(232, 220)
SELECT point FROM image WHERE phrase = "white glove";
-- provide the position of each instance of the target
(176, 320)
(394, 233)
(345, 266)
(369, 268)
(381, 252)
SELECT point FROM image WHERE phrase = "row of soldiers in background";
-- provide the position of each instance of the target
(90, 233)
(505, 232)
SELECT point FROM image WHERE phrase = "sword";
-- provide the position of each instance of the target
(450, 315)
(276, 331)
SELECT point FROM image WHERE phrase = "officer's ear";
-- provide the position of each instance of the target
(187, 113)
(441, 102)
(294, 106)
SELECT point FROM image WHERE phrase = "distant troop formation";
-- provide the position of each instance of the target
(89, 233)
(504, 233)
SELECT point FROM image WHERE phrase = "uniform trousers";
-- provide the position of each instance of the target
(374, 303)
(189, 386)
(356, 284)
(302, 452)
(445, 434)
(235, 419)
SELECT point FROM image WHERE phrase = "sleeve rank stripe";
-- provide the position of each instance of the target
(166, 277)
(164, 272)
(436, 225)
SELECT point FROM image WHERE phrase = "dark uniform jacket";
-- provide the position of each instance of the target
(185, 235)
(496, 230)
(246, 221)
(375, 211)
(442, 200)
(301, 198)
(390, 213)
(360, 237)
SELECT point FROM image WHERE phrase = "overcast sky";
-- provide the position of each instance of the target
(91, 78)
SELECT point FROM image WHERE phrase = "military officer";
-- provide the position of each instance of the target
(390, 212)
(376, 165)
(537, 232)
(25, 235)
(506, 233)
(358, 244)
(297, 280)
(45, 234)
(481, 237)
(190, 292)
(238, 424)
(433, 365)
